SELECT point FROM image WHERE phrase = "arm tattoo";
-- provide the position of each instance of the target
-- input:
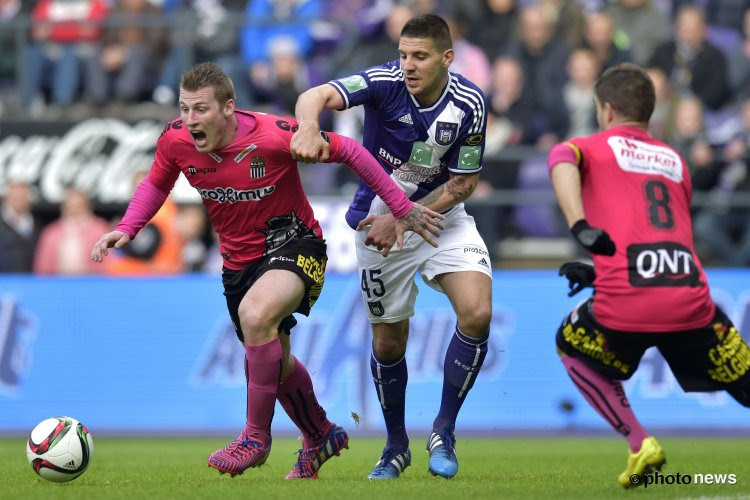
(457, 187)
(432, 196)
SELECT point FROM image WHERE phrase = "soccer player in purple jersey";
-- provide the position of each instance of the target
(426, 126)
(273, 248)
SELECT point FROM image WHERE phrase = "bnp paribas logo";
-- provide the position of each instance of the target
(16, 333)
(468, 157)
(421, 154)
(354, 83)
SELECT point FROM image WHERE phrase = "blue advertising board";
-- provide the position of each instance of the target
(147, 355)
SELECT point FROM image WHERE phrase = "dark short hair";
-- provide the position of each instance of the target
(209, 74)
(629, 90)
(429, 26)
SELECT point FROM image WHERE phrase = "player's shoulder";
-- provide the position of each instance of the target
(274, 126)
(465, 94)
(386, 74)
(174, 131)
(459, 81)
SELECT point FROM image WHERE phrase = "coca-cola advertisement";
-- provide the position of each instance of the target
(100, 155)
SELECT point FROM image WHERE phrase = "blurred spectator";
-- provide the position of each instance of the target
(692, 63)
(495, 28)
(64, 37)
(662, 119)
(201, 30)
(722, 229)
(719, 13)
(510, 107)
(423, 6)
(469, 60)
(268, 22)
(543, 59)
(600, 38)
(131, 51)
(640, 27)
(567, 18)
(739, 63)
(65, 245)
(191, 225)
(214, 262)
(379, 48)
(9, 12)
(157, 249)
(287, 77)
(688, 137)
(578, 94)
(509, 123)
(18, 230)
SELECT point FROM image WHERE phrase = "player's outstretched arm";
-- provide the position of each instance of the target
(116, 239)
(146, 202)
(385, 230)
(566, 181)
(455, 190)
(307, 144)
(411, 217)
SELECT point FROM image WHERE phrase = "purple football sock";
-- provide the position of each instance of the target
(390, 384)
(463, 360)
(608, 398)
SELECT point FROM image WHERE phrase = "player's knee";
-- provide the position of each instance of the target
(256, 325)
(389, 349)
(475, 322)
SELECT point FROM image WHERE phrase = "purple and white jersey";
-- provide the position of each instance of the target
(417, 145)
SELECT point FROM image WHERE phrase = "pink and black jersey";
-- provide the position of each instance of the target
(638, 189)
(251, 187)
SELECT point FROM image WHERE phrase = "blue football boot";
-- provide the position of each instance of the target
(442, 448)
(391, 464)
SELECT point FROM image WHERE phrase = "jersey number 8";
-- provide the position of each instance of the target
(659, 212)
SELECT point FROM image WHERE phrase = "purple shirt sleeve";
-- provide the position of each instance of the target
(357, 158)
(147, 200)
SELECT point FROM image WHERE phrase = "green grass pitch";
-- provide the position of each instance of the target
(513, 468)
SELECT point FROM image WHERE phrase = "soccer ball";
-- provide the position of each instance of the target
(60, 449)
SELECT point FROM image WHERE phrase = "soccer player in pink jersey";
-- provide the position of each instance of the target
(273, 248)
(626, 197)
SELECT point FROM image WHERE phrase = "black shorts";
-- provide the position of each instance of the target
(711, 358)
(304, 257)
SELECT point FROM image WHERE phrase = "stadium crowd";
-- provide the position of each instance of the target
(536, 61)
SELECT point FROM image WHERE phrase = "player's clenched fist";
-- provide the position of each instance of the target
(117, 239)
(595, 240)
(308, 145)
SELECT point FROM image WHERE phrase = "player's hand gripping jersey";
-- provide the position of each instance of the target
(417, 145)
(638, 189)
(251, 187)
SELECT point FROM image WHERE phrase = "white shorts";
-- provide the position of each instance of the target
(387, 283)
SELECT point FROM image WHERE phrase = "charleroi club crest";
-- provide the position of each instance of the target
(257, 167)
